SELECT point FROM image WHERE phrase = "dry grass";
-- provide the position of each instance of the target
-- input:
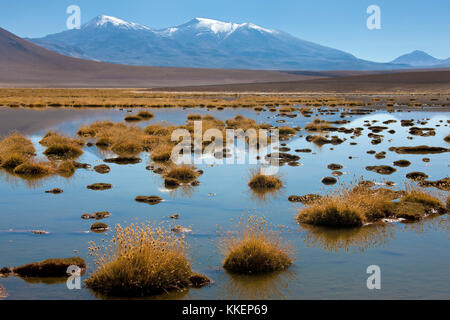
(353, 207)
(129, 98)
(255, 248)
(140, 260)
(61, 147)
(183, 174)
(261, 182)
(33, 170)
(162, 153)
(15, 149)
(319, 125)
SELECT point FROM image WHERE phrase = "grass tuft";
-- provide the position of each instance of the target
(141, 260)
(255, 248)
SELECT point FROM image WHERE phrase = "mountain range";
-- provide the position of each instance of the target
(207, 43)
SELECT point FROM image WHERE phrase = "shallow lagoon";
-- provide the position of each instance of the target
(414, 258)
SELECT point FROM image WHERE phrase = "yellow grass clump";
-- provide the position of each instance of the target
(353, 207)
(61, 147)
(183, 174)
(261, 182)
(32, 169)
(141, 260)
(255, 248)
(15, 149)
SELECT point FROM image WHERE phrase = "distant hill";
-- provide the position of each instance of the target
(23, 63)
(418, 58)
(203, 43)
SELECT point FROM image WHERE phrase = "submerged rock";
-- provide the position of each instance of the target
(335, 166)
(180, 229)
(149, 199)
(199, 280)
(102, 169)
(123, 160)
(308, 198)
(99, 186)
(99, 227)
(416, 175)
(39, 232)
(329, 180)
(54, 191)
(381, 169)
(49, 267)
(96, 215)
(402, 163)
(418, 150)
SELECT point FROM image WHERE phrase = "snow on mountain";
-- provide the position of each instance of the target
(103, 21)
(200, 42)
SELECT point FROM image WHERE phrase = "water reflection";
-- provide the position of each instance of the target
(258, 286)
(353, 239)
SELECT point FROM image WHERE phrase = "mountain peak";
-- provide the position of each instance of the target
(216, 27)
(417, 58)
(104, 21)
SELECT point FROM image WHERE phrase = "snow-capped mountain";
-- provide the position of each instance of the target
(199, 42)
(104, 21)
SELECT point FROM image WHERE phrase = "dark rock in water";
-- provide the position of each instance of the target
(99, 227)
(426, 160)
(335, 166)
(380, 155)
(102, 168)
(5, 271)
(336, 173)
(424, 132)
(366, 183)
(329, 180)
(418, 150)
(99, 186)
(402, 163)
(158, 170)
(308, 198)
(49, 267)
(39, 232)
(171, 183)
(442, 184)
(96, 215)
(180, 229)
(123, 160)
(416, 175)
(282, 157)
(303, 150)
(381, 169)
(199, 280)
(149, 199)
(54, 191)
(79, 165)
(174, 216)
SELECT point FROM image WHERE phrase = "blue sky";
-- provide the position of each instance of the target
(406, 25)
